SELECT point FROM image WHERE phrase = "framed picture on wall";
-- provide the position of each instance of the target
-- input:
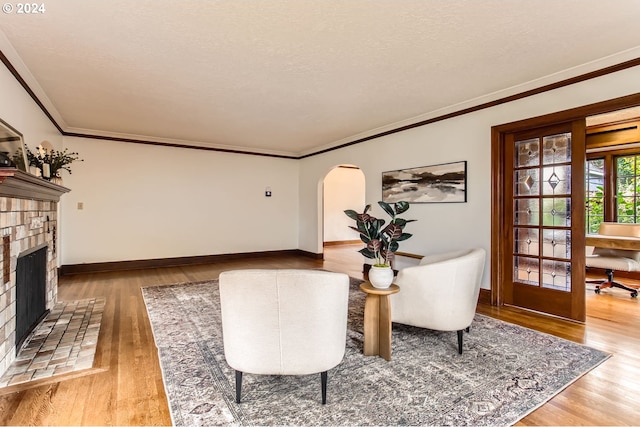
(12, 152)
(442, 183)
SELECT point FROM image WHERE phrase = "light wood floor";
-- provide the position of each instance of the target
(125, 386)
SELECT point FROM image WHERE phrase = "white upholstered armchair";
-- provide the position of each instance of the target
(441, 293)
(283, 322)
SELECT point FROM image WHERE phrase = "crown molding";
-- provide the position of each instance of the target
(10, 58)
(163, 142)
(545, 84)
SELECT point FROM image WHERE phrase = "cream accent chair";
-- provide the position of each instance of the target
(615, 259)
(283, 322)
(441, 293)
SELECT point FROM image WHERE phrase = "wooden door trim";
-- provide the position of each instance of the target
(498, 133)
(578, 260)
(571, 114)
(497, 215)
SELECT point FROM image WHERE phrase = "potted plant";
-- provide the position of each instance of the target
(51, 162)
(381, 242)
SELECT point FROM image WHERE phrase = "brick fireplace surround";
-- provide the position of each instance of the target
(28, 219)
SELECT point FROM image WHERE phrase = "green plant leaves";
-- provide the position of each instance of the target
(352, 214)
(404, 236)
(56, 160)
(387, 208)
(381, 243)
(401, 207)
(367, 253)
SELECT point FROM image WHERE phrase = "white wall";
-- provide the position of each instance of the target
(147, 201)
(344, 188)
(443, 227)
(20, 111)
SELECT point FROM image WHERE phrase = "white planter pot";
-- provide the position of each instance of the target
(380, 277)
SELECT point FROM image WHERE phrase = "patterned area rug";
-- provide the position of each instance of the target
(504, 373)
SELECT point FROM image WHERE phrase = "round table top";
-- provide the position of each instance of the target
(368, 288)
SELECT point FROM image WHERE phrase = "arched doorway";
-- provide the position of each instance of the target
(343, 188)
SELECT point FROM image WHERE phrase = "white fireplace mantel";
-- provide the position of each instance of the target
(16, 183)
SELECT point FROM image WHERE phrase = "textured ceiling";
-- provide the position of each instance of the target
(294, 76)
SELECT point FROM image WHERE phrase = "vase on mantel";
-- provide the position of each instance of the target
(56, 180)
(380, 277)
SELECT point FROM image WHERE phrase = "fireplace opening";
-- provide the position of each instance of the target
(31, 292)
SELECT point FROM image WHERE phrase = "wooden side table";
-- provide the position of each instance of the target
(377, 320)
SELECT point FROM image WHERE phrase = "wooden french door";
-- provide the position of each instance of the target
(543, 249)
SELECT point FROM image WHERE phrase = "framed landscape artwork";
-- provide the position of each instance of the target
(443, 183)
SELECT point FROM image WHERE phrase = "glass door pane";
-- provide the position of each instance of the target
(542, 212)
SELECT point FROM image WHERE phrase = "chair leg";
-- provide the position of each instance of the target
(610, 283)
(460, 341)
(634, 292)
(602, 284)
(238, 385)
(323, 380)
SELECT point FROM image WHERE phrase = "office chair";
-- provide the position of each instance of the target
(615, 259)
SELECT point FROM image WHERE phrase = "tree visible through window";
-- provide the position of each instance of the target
(626, 203)
(594, 194)
(627, 188)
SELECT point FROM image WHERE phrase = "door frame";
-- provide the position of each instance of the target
(498, 196)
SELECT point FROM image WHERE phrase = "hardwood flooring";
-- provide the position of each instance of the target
(125, 386)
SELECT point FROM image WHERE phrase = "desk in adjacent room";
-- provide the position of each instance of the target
(613, 242)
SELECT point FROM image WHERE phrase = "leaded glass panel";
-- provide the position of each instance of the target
(527, 212)
(556, 180)
(556, 212)
(556, 243)
(527, 153)
(527, 182)
(556, 148)
(541, 223)
(556, 275)
(527, 241)
(526, 270)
